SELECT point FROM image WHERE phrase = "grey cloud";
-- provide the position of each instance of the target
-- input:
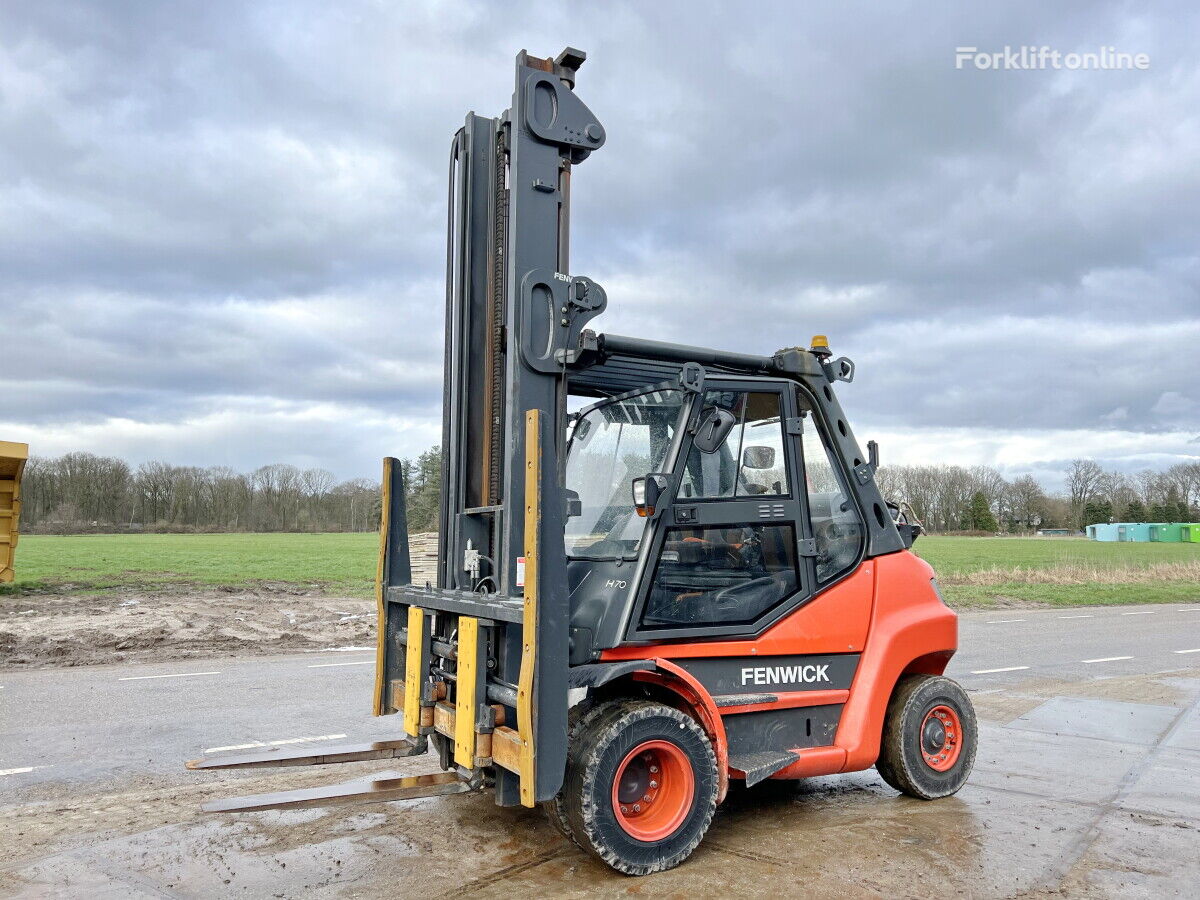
(239, 207)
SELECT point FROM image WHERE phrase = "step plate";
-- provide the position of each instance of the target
(764, 764)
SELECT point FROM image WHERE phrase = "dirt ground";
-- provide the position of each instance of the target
(187, 622)
(177, 623)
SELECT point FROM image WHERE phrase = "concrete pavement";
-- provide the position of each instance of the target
(101, 721)
(1087, 783)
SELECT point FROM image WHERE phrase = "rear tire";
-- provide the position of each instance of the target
(624, 752)
(929, 737)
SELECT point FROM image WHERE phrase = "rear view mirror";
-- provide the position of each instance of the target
(713, 429)
(758, 457)
(646, 491)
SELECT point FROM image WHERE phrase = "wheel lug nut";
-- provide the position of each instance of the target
(624, 809)
(654, 784)
(637, 807)
(647, 798)
(653, 769)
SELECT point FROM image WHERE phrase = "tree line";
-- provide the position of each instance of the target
(979, 498)
(81, 492)
(84, 492)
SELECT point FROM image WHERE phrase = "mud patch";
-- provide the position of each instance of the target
(177, 623)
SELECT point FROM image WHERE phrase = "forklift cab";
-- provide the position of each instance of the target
(753, 515)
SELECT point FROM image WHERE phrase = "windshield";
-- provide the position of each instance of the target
(610, 446)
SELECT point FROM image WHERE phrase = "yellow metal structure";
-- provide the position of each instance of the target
(533, 524)
(380, 601)
(466, 699)
(12, 464)
(412, 670)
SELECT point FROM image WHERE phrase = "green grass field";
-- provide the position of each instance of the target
(1061, 571)
(972, 571)
(339, 563)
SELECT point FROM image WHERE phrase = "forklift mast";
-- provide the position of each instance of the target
(512, 312)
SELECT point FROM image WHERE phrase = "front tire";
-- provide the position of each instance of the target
(929, 737)
(641, 786)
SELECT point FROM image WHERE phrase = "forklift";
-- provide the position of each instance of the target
(662, 569)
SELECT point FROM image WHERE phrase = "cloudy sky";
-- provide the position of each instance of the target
(222, 224)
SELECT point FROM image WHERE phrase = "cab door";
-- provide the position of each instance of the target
(732, 551)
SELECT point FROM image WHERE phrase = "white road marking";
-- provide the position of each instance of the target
(1193, 609)
(1107, 659)
(1088, 616)
(994, 671)
(176, 675)
(279, 743)
(1196, 650)
(20, 771)
(235, 747)
(341, 650)
(303, 740)
(1145, 612)
(361, 662)
(989, 691)
(1004, 621)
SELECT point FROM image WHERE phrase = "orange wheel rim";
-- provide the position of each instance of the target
(653, 791)
(941, 738)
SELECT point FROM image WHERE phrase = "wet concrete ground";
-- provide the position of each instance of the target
(1086, 784)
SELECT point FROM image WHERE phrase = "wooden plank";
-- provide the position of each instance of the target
(533, 523)
(506, 749)
(413, 670)
(466, 697)
(443, 719)
(483, 749)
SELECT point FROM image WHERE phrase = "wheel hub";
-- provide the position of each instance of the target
(941, 738)
(933, 735)
(653, 790)
(635, 780)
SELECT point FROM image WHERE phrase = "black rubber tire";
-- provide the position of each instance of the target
(577, 719)
(605, 737)
(901, 763)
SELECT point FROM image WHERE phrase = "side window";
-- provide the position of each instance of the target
(751, 460)
(724, 575)
(837, 527)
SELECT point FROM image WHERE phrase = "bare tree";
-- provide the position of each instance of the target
(1082, 479)
(1026, 502)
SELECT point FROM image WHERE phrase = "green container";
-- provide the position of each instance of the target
(1167, 532)
(1191, 532)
